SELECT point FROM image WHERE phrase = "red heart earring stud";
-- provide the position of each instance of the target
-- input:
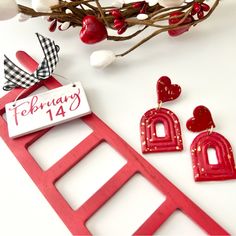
(221, 166)
(151, 141)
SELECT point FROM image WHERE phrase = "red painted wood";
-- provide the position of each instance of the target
(166, 209)
(150, 142)
(203, 170)
(76, 220)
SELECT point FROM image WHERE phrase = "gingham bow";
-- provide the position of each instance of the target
(16, 77)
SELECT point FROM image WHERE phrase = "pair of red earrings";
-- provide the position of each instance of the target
(223, 169)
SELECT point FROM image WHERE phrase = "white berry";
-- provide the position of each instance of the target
(68, 11)
(102, 58)
(152, 3)
(171, 3)
(64, 26)
(142, 16)
(8, 9)
(118, 3)
(43, 5)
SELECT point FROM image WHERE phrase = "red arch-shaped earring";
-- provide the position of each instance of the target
(203, 170)
(172, 141)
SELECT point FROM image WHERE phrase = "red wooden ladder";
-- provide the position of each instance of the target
(75, 220)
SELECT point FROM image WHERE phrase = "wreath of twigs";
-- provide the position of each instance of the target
(158, 17)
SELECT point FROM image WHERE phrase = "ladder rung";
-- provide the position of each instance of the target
(73, 157)
(105, 192)
(66, 213)
(152, 224)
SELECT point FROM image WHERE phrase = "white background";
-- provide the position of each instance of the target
(201, 61)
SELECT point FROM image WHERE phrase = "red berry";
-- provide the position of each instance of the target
(53, 26)
(137, 5)
(50, 19)
(144, 9)
(123, 29)
(116, 13)
(205, 7)
(193, 12)
(200, 14)
(118, 23)
(176, 17)
(197, 7)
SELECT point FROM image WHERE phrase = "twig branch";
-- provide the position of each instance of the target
(156, 16)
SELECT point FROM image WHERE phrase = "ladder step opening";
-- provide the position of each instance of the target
(127, 209)
(57, 142)
(89, 174)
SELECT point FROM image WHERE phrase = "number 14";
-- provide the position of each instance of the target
(60, 112)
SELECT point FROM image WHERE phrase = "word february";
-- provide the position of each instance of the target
(34, 105)
(46, 109)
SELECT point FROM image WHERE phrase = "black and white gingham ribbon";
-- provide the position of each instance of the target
(16, 77)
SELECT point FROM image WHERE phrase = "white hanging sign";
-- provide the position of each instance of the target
(46, 109)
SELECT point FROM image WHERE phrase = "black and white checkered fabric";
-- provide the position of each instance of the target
(16, 77)
(48, 65)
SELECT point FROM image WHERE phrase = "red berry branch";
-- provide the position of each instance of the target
(95, 19)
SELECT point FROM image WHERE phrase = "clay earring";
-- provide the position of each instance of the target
(223, 167)
(172, 140)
